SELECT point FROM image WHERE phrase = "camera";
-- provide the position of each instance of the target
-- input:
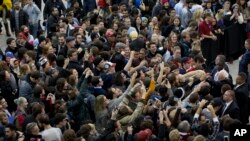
(107, 65)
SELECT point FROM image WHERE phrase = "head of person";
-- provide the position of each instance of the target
(189, 3)
(152, 47)
(225, 87)
(110, 35)
(21, 102)
(101, 103)
(241, 78)
(32, 128)
(54, 11)
(11, 42)
(208, 16)
(217, 103)
(37, 109)
(199, 138)
(39, 92)
(72, 54)
(4, 76)
(17, 5)
(43, 63)
(247, 44)
(174, 135)
(30, 56)
(136, 94)
(61, 39)
(43, 120)
(3, 103)
(86, 131)
(4, 118)
(70, 42)
(10, 131)
(69, 135)
(99, 62)
(227, 5)
(229, 95)
(61, 120)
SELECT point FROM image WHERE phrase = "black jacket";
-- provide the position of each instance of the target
(52, 23)
(23, 18)
(233, 111)
(50, 4)
(75, 65)
(241, 95)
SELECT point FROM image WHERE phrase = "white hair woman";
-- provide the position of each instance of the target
(20, 113)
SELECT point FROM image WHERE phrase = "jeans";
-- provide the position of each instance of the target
(33, 29)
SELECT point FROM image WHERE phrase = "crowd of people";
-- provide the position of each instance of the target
(124, 70)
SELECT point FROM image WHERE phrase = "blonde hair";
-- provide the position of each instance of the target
(30, 127)
(2, 115)
(174, 135)
(199, 138)
(197, 14)
(196, 45)
(19, 100)
(99, 106)
(24, 69)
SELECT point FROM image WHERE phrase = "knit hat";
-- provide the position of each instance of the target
(144, 135)
(9, 54)
(97, 61)
(42, 61)
(133, 35)
(164, 1)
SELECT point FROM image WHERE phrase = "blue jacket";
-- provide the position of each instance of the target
(245, 60)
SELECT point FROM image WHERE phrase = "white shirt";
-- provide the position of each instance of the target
(52, 134)
(227, 104)
(178, 8)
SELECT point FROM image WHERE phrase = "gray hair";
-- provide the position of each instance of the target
(184, 126)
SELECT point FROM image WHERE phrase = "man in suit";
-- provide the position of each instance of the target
(230, 107)
(241, 94)
(245, 60)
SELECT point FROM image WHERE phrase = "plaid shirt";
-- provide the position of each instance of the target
(216, 127)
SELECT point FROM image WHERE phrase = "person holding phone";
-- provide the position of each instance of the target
(236, 15)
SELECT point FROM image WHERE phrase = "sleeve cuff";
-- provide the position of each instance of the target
(196, 115)
(215, 119)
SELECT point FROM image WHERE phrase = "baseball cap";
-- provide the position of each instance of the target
(9, 54)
